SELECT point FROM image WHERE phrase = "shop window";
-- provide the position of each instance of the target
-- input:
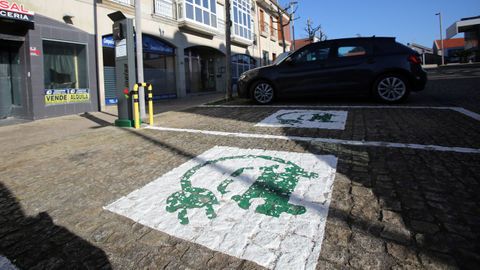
(241, 63)
(65, 65)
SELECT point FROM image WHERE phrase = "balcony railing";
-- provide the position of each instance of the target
(221, 27)
(273, 34)
(125, 2)
(265, 31)
(165, 8)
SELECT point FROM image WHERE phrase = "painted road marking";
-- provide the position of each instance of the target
(269, 207)
(427, 147)
(5, 264)
(461, 110)
(306, 119)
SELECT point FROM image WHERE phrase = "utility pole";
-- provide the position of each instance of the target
(292, 7)
(228, 45)
(441, 37)
(284, 45)
(139, 42)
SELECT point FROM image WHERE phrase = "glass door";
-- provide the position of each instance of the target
(9, 78)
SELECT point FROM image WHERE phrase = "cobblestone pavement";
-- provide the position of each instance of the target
(391, 208)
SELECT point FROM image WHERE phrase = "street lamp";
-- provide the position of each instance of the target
(441, 36)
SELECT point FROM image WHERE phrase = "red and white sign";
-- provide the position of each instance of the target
(14, 11)
(34, 51)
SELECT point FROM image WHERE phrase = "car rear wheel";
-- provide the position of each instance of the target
(263, 92)
(391, 88)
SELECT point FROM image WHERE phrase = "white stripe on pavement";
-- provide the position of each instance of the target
(461, 110)
(325, 140)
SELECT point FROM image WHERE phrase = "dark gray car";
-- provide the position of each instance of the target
(377, 66)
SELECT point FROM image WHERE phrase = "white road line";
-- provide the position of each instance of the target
(466, 112)
(461, 110)
(325, 140)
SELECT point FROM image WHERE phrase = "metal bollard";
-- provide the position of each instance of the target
(136, 112)
(150, 104)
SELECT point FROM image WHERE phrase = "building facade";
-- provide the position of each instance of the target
(471, 29)
(65, 51)
(47, 68)
(451, 47)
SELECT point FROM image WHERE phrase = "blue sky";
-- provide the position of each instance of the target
(408, 20)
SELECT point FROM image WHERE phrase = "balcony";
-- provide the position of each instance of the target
(198, 18)
(273, 34)
(241, 40)
(164, 8)
(124, 2)
(264, 30)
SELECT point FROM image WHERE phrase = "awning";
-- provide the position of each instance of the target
(464, 25)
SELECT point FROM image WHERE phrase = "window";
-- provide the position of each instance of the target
(164, 8)
(265, 58)
(312, 54)
(125, 2)
(274, 57)
(202, 11)
(242, 21)
(349, 51)
(262, 20)
(65, 65)
(241, 63)
(272, 29)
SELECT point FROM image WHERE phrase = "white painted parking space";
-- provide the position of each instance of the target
(269, 207)
(306, 119)
(461, 110)
(426, 147)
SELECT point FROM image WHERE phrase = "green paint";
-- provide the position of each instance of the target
(274, 186)
(324, 118)
(284, 121)
(222, 188)
(316, 117)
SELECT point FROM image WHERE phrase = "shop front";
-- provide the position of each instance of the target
(47, 67)
(158, 67)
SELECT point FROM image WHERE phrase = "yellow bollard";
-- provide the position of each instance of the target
(136, 112)
(150, 104)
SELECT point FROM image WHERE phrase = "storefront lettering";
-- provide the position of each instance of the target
(66, 96)
(12, 10)
(13, 7)
(13, 15)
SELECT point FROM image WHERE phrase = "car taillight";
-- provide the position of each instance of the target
(414, 59)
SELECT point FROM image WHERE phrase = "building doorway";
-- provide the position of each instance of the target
(204, 68)
(158, 68)
(10, 77)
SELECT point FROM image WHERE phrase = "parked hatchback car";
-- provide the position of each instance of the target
(377, 66)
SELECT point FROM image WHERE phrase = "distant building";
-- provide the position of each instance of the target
(425, 53)
(471, 28)
(299, 43)
(451, 46)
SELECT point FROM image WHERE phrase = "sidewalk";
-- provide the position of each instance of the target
(45, 130)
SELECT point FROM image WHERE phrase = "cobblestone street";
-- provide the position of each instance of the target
(404, 195)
